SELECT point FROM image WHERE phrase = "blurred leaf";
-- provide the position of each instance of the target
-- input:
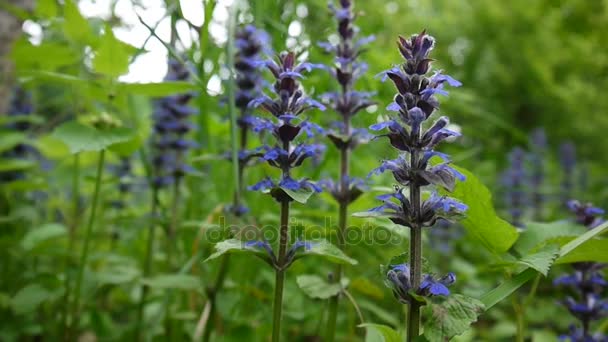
(380, 312)
(536, 233)
(75, 26)
(30, 118)
(157, 89)
(542, 259)
(173, 281)
(366, 287)
(56, 55)
(30, 297)
(595, 250)
(40, 235)
(328, 251)
(51, 147)
(117, 274)
(15, 164)
(481, 221)
(112, 56)
(8, 140)
(316, 287)
(79, 137)
(450, 317)
(380, 333)
(46, 9)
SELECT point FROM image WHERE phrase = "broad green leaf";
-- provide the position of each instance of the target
(380, 312)
(30, 297)
(40, 235)
(380, 333)
(30, 118)
(112, 56)
(79, 137)
(366, 287)
(237, 246)
(537, 233)
(9, 140)
(542, 259)
(56, 55)
(505, 289)
(15, 164)
(173, 281)
(480, 220)
(46, 9)
(316, 287)
(157, 89)
(593, 250)
(450, 317)
(75, 26)
(328, 251)
(300, 196)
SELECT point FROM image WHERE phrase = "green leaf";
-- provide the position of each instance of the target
(505, 289)
(451, 317)
(237, 246)
(301, 195)
(9, 140)
(117, 274)
(542, 259)
(112, 57)
(328, 251)
(75, 26)
(481, 221)
(593, 250)
(173, 281)
(38, 236)
(79, 137)
(537, 233)
(157, 89)
(316, 287)
(380, 333)
(30, 297)
(15, 164)
(46, 9)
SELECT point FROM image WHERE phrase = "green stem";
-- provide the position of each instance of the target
(415, 262)
(147, 266)
(171, 242)
(520, 321)
(87, 239)
(219, 281)
(280, 273)
(75, 215)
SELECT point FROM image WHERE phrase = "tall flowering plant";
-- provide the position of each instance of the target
(587, 282)
(346, 102)
(286, 107)
(415, 203)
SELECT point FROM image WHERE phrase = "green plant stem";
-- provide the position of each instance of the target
(87, 239)
(280, 273)
(219, 281)
(415, 262)
(519, 318)
(75, 215)
(171, 244)
(342, 224)
(147, 266)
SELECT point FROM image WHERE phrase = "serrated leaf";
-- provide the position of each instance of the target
(30, 297)
(450, 317)
(481, 220)
(380, 333)
(157, 89)
(112, 56)
(40, 235)
(537, 233)
(9, 140)
(542, 260)
(301, 195)
(316, 287)
(79, 137)
(237, 246)
(173, 281)
(328, 251)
